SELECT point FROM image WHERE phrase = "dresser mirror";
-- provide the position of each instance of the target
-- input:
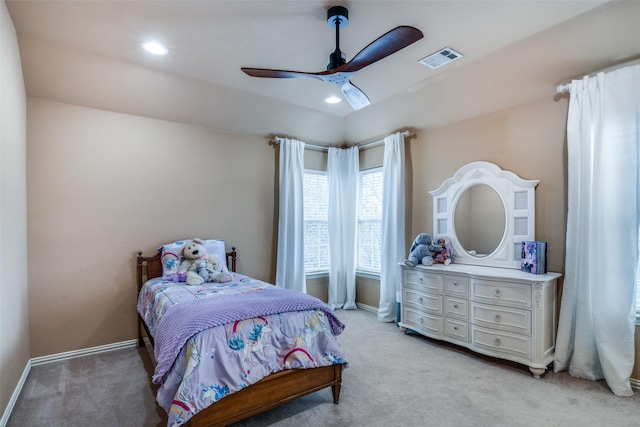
(479, 220)
(486, 212)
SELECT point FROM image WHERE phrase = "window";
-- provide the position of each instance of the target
(316, 213)
(370, 220)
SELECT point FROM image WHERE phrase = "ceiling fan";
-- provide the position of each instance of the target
(339, 71)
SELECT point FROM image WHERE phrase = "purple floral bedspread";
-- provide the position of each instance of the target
(221, 360)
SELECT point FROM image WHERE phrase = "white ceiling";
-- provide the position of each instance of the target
(88, 53)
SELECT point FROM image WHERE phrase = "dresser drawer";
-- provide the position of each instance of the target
(427, 281)
(501, 342)
(422, 301)
(422, 322)
(456, 329)
(504, 318)
(457, 286)
(503, 293)
(456, 307)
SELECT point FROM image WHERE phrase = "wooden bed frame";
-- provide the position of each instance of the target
(268, 393)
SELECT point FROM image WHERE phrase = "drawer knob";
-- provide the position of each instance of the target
(455, 283)
(421, 320)
(497, 342)
(498, 318)
(420, 280)
(498, 292)
(455, 305)
(420, 300)
(455, 328)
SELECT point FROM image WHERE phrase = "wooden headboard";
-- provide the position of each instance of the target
(150, 267)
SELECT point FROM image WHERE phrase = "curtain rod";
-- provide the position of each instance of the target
(567, 87)
(276, 140)
(381, 141)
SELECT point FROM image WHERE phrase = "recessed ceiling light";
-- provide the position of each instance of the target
(155, 48)
(332, 100)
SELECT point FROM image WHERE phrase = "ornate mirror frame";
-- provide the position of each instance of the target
(518, 200)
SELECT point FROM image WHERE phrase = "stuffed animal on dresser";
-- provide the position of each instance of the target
(442, 250)
(420, 252)
(200, 267)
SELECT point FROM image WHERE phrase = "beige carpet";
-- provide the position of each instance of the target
(394, 379)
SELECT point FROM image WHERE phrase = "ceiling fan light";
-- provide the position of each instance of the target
(155, 48)
(333, 100)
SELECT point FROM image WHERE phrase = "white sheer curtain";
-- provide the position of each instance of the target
(393, 227)
(290, 262)
(343, 166)
(596, 328)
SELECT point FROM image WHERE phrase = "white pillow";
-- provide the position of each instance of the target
(172, 257)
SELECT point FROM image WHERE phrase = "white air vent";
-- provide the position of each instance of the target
(440, 58)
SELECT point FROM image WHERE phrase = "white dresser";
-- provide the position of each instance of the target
(499, 312)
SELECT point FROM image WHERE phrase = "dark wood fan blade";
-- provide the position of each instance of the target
(385, 45)
(277, 74)
(355, 96)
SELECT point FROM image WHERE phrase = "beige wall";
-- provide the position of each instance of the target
(14, 322)
(99, 191)
(528, 140)
(97, 195)
(104, 185)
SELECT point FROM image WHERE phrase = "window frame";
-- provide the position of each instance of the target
(360, 271)
(317, 273)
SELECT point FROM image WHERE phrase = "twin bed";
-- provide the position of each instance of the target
(226, 351)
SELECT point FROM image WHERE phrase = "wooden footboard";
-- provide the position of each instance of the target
(271, 392)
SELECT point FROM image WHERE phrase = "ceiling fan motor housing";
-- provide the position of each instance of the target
(337, 13)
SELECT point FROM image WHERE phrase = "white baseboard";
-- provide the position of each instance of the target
(82, 352)
(635, 384)
(366, 307)
(14, 397)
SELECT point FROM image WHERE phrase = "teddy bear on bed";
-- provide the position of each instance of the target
(442, 250)
(420, 252)
(200, 267)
